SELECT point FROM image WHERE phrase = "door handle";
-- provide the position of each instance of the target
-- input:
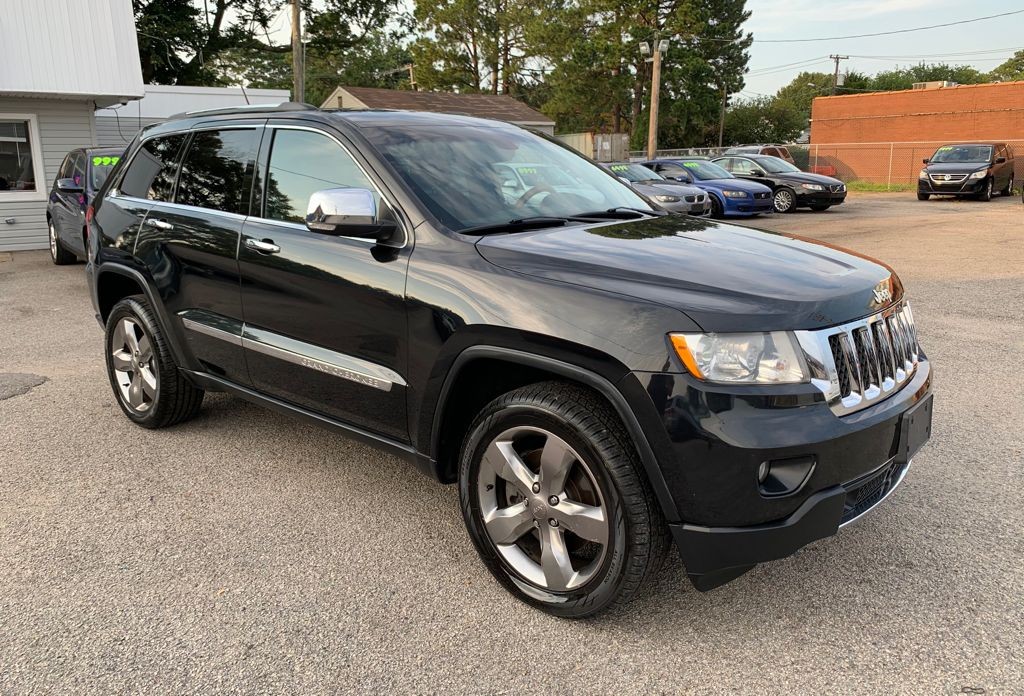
(159, 224)
(263, 246)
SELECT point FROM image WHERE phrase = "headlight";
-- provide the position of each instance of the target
(734, 194)
(980, 174)
(923, 174)
(813, 187)
(751, 358)
(667, 199)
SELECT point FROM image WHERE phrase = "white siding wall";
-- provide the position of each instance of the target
(110, 133)
(63, 126)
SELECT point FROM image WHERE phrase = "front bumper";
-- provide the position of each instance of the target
(718, 437)
(809, 198)
(748, 206)
(967, 187)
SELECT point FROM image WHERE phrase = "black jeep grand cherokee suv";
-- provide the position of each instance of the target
(599, 377)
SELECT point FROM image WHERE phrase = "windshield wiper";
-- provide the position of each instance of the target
(518, 224)
(620, 212)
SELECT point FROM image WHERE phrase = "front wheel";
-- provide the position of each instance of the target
(717, 211)
(150, 389)
(784, 201)
(986, 193)
(58, 254)
(923, 196)
(554, 500)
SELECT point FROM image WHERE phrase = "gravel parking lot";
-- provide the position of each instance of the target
(244, 552)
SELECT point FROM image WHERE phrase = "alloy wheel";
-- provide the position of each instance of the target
(542, 509)
(783, 201)
(53, 242)
(133, 362)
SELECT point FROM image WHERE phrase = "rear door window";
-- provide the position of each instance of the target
(151, 172)
(216, 172)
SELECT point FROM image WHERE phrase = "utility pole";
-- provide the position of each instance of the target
(298, 55)
(412, 77)
(721, 116)
(660, 46)
(835, 75)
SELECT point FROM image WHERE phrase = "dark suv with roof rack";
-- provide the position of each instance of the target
(599, 377)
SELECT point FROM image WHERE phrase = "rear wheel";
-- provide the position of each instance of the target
(923, 196)
(784, 200)
(58, 254)
(1009, 187)
(150, 389)
(555, 502)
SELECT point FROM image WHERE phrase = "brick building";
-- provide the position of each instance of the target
(882, 136)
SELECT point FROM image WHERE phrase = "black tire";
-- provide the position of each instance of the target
(784, 200)
(923, 196)
(58, 254)
(1008, 189)
(986, 191)
(717, 211)
(638, 537)
(820, 208)
(174, 398)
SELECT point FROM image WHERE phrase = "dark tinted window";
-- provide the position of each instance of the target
(65, 167)
(214, 168)
(302, 163)
(78, 170)
(151, 173)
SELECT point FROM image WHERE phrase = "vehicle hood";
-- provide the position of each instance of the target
(676, 188)
(806, 178)
(724, 277)
(736, 184)
(956, 167)
(652, 189)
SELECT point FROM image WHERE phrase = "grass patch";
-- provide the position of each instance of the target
(871, 186)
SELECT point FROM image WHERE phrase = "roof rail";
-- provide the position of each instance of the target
(283, 106)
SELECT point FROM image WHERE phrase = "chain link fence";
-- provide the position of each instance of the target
(886, 165)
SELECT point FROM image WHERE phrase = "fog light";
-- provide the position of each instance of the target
(784, 476)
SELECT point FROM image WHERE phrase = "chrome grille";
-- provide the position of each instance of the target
(863, 362)
(837, 188)
(947, 178)
(762, 195)
(691, 199)
(700, 198)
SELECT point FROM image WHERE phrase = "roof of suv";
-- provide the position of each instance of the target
(359, 118)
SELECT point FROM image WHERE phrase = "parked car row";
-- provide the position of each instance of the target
(81, 174)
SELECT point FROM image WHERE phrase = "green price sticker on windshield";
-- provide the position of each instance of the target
(105, 161)
(620, 167)
(527, 170)
(945, 148)
(691, 165)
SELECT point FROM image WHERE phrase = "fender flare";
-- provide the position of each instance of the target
(587, 377)
(173, 338)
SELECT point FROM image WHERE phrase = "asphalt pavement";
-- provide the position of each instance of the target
(244, 552)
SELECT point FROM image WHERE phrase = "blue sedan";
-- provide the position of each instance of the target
(730, 196)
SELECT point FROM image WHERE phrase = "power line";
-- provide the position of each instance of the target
(895, 31)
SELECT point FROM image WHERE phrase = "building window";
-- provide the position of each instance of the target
(21, 171)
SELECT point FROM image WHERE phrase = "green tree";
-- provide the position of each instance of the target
(1012, 69)
(763, 120)
(904, 78)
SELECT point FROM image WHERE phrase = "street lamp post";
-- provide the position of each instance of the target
(655, 59)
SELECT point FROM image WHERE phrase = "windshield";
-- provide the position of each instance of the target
(634, 172)
(702, 170)
(472, 176)
(100, 169)
(972, 154)
(774, 165)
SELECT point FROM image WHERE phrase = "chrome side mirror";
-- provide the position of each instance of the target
(348, 212)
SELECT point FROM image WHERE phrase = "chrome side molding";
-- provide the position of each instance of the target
(290, 350)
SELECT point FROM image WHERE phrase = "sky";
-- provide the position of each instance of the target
(800, 19)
